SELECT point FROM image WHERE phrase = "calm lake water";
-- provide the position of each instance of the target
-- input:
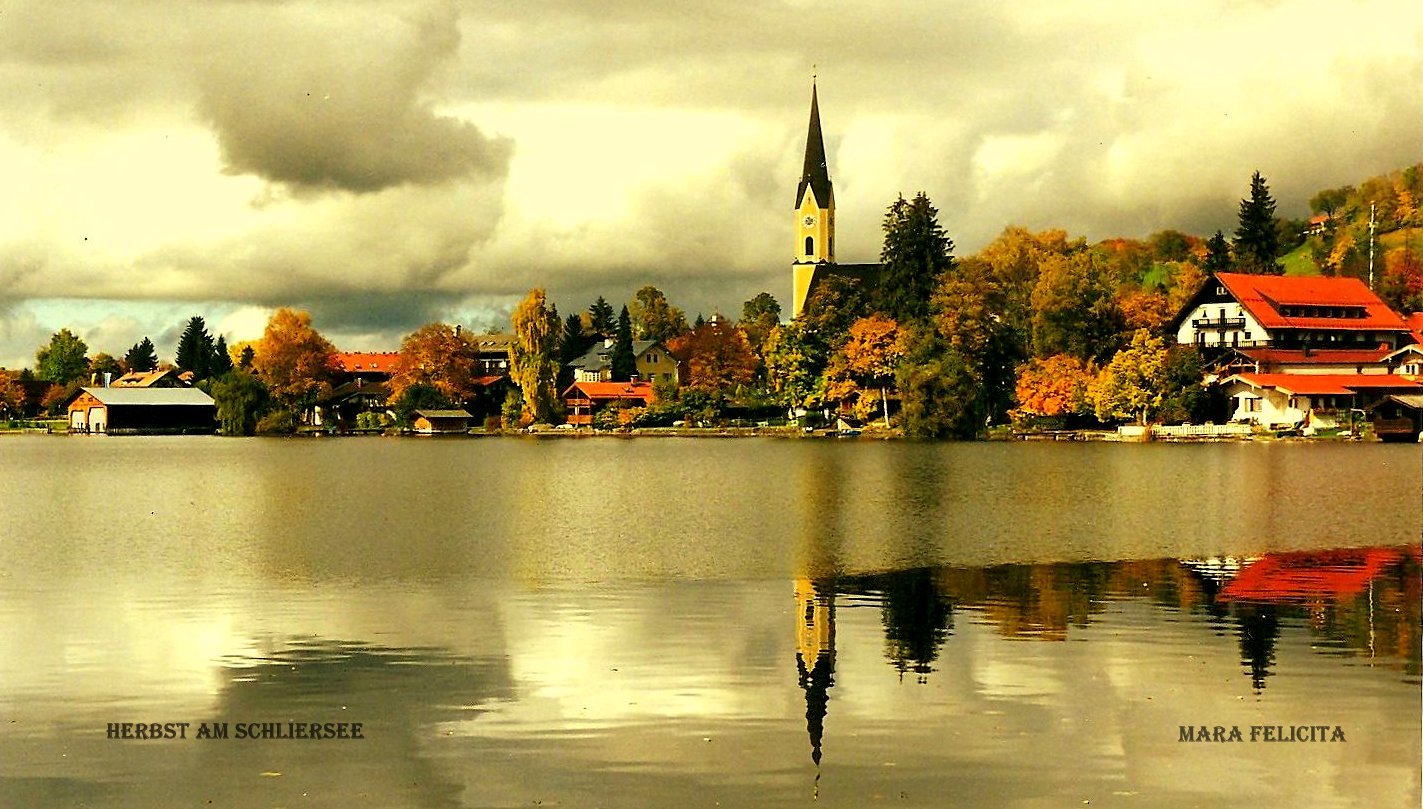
(698, 622)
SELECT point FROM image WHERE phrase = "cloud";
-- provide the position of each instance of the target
(339, 102)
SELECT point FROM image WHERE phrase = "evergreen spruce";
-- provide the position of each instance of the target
(623, 361)
(916, 252)
(1217, 254)
(1257, 239)
(195, 349)
(142, 356)
(221, 360)
(600, 314)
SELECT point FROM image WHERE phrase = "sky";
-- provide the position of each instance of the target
(388, 164)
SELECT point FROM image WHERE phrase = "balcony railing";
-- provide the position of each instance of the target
(1219, 323)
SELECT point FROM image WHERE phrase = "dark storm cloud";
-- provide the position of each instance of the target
(330, 104)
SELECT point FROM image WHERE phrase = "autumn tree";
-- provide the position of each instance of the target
(966, 312)
(1012, 262)
(533, 354)
(916, 252)
(141, 357)
(1186, 280)
(1145, 309)
(63, 359)
(293, 360)
(653, 318)
(868, 360)
(1171, 245)
(718, 357)
(1257, 241)
(795, 359)
(12, 395)
(1401, 286)
(1330, 201)
(1075, 309)
(103, 363)
(1053, 387)
(439, 355)
(1133, 384)
(623, 361)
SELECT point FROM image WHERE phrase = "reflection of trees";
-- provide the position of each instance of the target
(1258, 628)
(917, 618)
(1031, 600)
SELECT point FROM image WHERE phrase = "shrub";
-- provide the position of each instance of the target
(277, 422)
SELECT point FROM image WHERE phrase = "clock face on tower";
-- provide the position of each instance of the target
(810, 221)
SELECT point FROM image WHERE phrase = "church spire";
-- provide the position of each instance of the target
(815, 175)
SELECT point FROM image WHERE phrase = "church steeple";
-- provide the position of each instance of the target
(815, 175)
(814, 211)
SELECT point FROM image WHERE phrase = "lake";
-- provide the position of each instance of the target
(709, 622)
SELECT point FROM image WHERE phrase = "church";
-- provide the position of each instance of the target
(815, 223)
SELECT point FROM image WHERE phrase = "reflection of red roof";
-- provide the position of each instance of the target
(486, 381)
(1328, 384)
(379, 362)
(1263, 295)
(1301, 575)
(613, 390)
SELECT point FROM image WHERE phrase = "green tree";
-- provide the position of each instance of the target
(916, 252)
(937, 389)
(63, 359)
(795, 359)
(248, 355)
(1171, 245)
(623, 361)
(418, 396)
(1133, 384)
(601, 317)
(1217, 254)
(142, 356)
(1183, 397)
(104, 364)
(1075, 309)
(533, 363)
(653, 318)
(195, 349)
(759, 317)
(241, 401)
(1257, 240)
(221, 360)
(1330, 201)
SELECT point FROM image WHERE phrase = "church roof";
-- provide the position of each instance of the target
(815, 174)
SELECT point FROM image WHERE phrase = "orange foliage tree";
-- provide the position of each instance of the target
(295, 362)
(12, 394)
(439, 355)
(1145, 309)
(869, 359)
(1053, 386)
(718, 357)
(1402, 283)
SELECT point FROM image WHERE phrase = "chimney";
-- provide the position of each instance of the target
(457, 329)
(108, 377)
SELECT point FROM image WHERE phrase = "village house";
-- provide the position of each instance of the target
(1313, 401)
(142, 410)
(1313, 315)
(583, 399)
(164, 378)
(654, 363)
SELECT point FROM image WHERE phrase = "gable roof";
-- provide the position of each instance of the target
(1327, 384)
(143, 379)
(1263, 296)
(148, 396)
(1415, 325)
(443, 414)
(612, 390)
(1323, 356)
(370, 362)
(600, 356)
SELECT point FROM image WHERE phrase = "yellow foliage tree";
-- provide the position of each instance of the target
(439, 355)
(295, 362)
(870, 358)
(533, 354)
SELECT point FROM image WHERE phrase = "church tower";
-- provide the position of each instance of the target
(814, 212)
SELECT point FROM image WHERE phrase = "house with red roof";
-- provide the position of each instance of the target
(1314, 401)
(367, 366)
(1294, 313)
(583, 400)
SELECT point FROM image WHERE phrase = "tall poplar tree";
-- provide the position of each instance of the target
(533, 354)
(916, 252)
(1257, 240)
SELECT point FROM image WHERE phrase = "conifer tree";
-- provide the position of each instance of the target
(1257, 240)
(221, 360)
(195, 348)
(600, 314)
(1217, 254)
(142, 356)
(916, 252)
(623, 360)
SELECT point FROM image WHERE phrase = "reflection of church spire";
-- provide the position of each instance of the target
(815, 658)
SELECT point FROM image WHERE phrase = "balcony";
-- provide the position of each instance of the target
(1219, 323)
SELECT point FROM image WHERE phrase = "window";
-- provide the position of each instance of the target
(1294, 402)
(810, 245)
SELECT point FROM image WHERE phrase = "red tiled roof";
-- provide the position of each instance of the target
(1352, 356)
(1327, 384)
(1262, 295)
(613, 390)
(382, 362)
(1415, 325)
